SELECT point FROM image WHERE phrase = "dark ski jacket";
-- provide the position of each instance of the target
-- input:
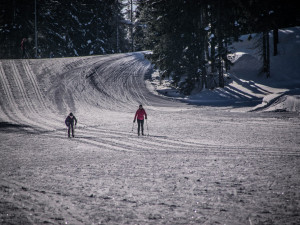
(70, 121)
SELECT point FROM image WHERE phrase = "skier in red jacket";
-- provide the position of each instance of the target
(139, 115)
(24, 48)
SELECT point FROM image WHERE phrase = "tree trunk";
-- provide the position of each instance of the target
(212, 47)
(268, 54)
(204, 44)
(275, 40)
(131, 26)
(220, 48)
(264, 52)
(203, 61)
(227, 66)
(213, 55)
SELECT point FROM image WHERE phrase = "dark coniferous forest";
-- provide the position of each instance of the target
(64, 28)
(189, 39)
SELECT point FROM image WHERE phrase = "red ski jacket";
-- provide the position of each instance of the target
(140, 113)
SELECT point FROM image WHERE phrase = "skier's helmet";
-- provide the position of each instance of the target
(71, 114)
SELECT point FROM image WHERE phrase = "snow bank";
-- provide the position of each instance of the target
(287, 101)
(285, 70)
(246, 84)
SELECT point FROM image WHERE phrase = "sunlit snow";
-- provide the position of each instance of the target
(205, 159)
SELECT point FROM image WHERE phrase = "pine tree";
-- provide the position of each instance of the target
(17, 23)
(65, 28)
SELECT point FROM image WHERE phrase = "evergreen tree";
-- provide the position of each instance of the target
(187, 36)
(17, 23)
(65, 28)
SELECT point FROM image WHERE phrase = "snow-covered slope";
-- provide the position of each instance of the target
(196, 164)
(282, 89)
(41, 93)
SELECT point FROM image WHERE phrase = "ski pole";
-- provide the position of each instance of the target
(132, 126)
(147, 127)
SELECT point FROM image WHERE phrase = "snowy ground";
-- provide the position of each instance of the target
(200, 164)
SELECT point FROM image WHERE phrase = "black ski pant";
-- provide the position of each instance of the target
(140, 126)
(70, 127)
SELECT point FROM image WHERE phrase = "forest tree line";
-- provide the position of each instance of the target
(64, 28)
(189, 39)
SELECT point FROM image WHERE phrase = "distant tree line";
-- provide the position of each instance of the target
(64, 28)
(190, 38)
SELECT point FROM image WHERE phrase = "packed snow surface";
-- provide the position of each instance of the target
(197, 163)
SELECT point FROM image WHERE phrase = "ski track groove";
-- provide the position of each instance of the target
(11, 99)
(117, 83)
(138, 84)
(106, 144)
(7, 92)
(147, 143)
(34, 83)
(126, 73)
(28, 102)
(169, 142)
(37, 93)
(20, 85)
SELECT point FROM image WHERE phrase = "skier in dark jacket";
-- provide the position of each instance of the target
(70, 123)
(139, 115)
